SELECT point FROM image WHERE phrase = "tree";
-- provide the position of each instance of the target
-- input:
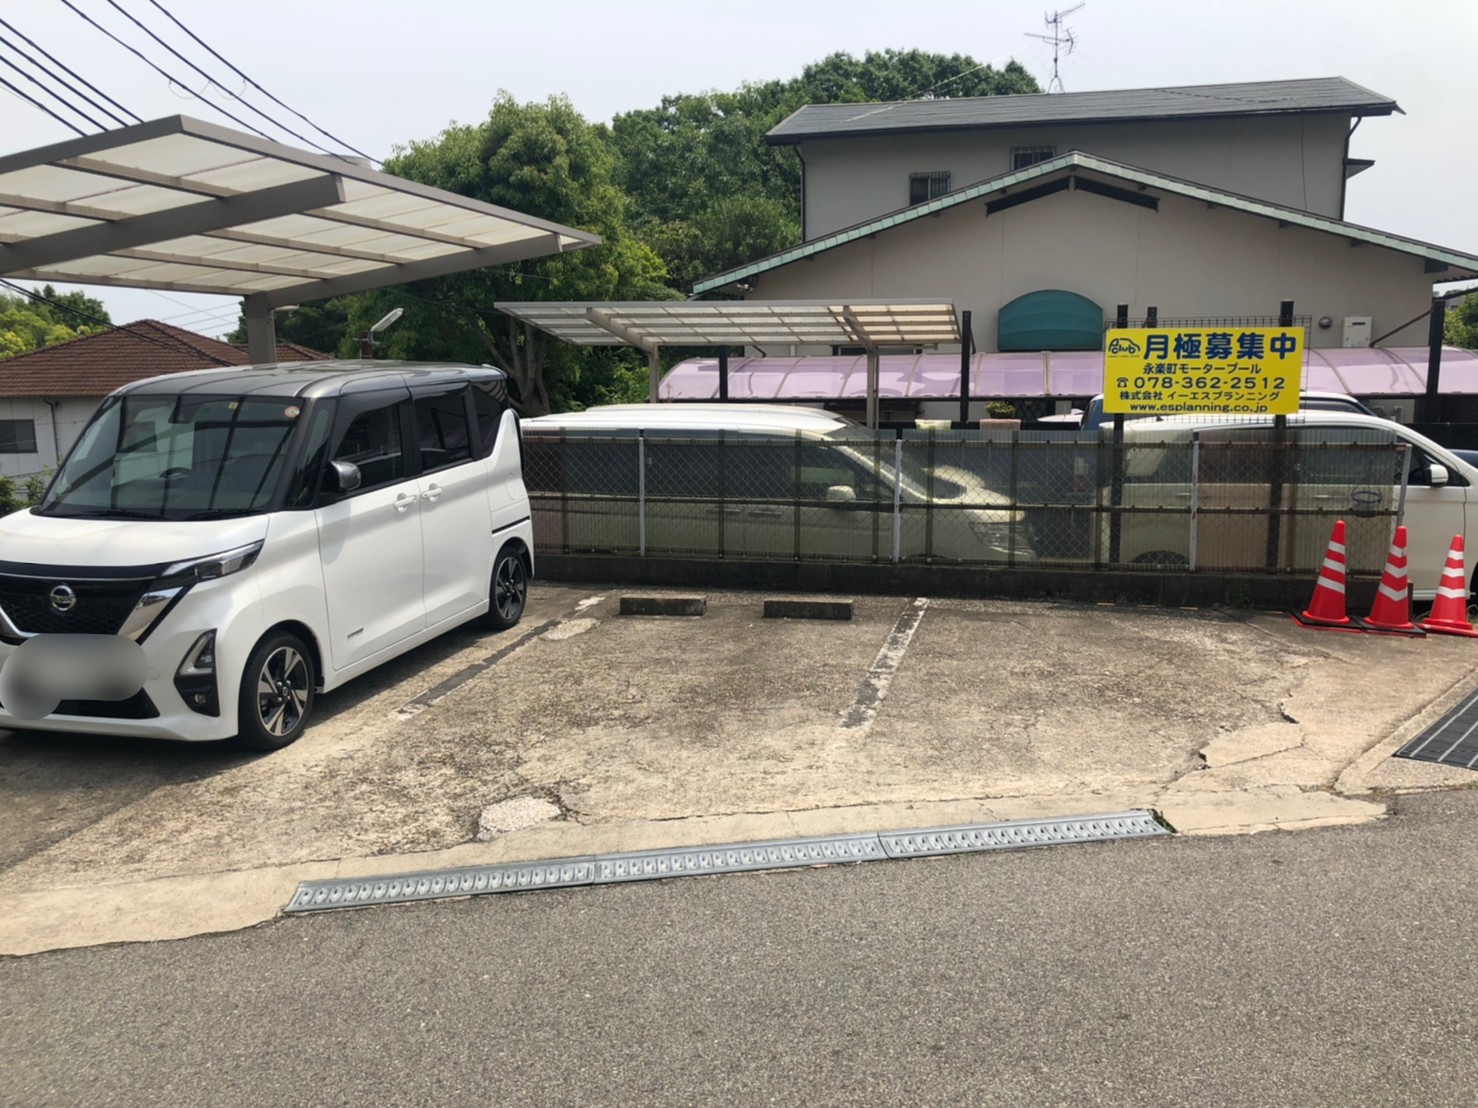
(1460, 328)
(542, 159)
(323, 325)
(707, 192)
(29, 324)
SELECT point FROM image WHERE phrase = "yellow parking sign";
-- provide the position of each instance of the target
(1194, 369)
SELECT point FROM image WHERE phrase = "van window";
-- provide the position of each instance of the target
(372, 441)
(441, 429)
(315, 450)
(176, 457)
(489, 402)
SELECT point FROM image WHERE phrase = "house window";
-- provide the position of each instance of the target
(1023, 156)
(926, 186)
(17, 436)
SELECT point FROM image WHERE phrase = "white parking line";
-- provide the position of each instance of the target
(874, 687)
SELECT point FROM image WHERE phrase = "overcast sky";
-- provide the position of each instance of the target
(378, 73)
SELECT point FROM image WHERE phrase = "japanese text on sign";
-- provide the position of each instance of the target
(1173, 369)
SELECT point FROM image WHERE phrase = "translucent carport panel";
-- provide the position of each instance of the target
(1075, 373)
(1372, 372)
(760, 379)
(826, 378)
(694, 379)
(1008, 375)
(937, 376)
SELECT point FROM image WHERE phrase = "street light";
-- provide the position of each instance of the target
(367, 340)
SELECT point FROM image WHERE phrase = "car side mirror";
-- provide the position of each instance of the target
(841, 494)
(1437, 475)
(346, 476)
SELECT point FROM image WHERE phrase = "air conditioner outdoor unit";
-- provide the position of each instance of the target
(1401, 410)
(1357, 330)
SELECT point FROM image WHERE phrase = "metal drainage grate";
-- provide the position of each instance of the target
(1451, 741)
(1009, 836)
(649, 865)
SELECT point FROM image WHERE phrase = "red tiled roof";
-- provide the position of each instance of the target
(95, 365)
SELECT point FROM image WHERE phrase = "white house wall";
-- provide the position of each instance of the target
(52, 440)
(1297, 161)
(1186, 259)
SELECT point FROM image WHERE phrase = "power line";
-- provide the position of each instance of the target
(71, 73)
(36, 103)
(206, 46)
(100, 321)
(280, 126)
(172, 80)
(62, 100)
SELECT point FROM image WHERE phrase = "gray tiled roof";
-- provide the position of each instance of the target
(1317, 94)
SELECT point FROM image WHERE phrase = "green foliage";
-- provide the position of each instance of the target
(8, 499)
(678, 192)
(545, 160)
(35, 486)
(708, 193)
(1460, 328)
(323, 325)
(27, 324)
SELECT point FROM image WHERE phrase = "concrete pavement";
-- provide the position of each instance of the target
(648, 732)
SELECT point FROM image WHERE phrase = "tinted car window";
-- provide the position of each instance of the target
(372, 441)
(441, 430)
(489, 401)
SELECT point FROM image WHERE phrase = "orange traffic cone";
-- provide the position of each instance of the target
(1327, 608)
(1449, 615)
(1391, 612)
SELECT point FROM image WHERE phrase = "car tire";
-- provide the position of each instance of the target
(277, 693)
(508, 591)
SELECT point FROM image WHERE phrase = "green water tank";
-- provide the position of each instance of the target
(1050, 319)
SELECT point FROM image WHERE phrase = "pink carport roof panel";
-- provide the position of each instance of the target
(1075, 373)
(825, 378)
(1008, 375)
(1364, 372)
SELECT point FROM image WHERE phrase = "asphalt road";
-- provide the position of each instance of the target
(1327, 967)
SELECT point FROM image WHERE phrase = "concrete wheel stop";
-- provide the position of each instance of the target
(664, 605)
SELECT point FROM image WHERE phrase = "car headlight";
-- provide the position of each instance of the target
(210, 567)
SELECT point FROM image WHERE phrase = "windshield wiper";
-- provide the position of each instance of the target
(103, 513)
(220, 513)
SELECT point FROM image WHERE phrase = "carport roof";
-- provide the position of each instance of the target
(182, 205)
(657, 323)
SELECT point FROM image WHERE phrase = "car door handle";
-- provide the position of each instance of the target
(403, 501)
(432, 493)
(768, 513)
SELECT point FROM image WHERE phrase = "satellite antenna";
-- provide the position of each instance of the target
(1061, 35)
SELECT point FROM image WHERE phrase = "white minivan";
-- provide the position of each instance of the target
(1343, 465)
(220, 546)
(761, 481)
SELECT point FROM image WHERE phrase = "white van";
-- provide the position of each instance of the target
(786, 482)
(221, 546)
(1333, 476)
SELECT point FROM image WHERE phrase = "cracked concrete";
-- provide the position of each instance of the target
(649, 731)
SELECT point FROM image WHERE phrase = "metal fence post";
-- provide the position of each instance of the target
(897, 500)
(641, 492)
(1195, 498)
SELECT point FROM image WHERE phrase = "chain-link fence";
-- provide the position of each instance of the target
(1230, 499)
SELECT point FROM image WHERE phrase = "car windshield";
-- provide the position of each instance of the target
(176, 457)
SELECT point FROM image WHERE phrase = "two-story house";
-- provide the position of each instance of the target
(1042, 213)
